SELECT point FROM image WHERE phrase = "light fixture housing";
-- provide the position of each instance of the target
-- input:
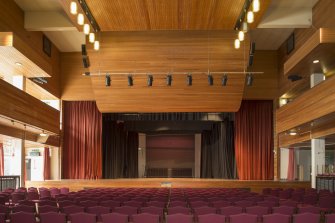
(249, 80)
(316, 61)
(210, 80)
(245, 27)
(130, 80)
(73, 8)
(256, 5)
(241, 35)
(80, 19)
(250, 17)
(189, 80)
(169, 80)
(237, 44)
(86, 29)
(150, 80)
(43, 134)
(18, 64)
(96, 45)
(108, 80)
(91, 37)
(293, 132)
(224, 80)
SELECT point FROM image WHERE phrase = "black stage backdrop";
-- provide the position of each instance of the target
(218, 152)
(119, 149)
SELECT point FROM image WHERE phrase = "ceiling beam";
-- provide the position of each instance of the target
(57, 21)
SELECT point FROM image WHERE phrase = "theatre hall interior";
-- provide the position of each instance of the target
(167, 111)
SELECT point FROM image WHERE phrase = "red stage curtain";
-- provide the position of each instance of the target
(2, 160)
(291, 164)
(46, 166)
(254, 140)
(82, 125)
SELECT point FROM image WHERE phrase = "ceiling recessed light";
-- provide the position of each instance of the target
(293, 132)
(316, 61)
(18, 63)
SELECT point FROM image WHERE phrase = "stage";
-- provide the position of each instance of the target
(253, 185)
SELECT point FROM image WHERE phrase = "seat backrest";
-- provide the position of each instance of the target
(126, 210)
(114, 217)
(153, 210)
(283, 210)
(178, 218)
(243, 218)
(83, 218)
(52, 217)
(231, 210)
(258, 210)
(276, 218)
(179, 210)
(47, 208)
(212, 218)
(204, 210)
(330, 218)
(72, 209)
(23, 208)
(21, 217)
(306, 218)
(145, 218)
(309, 209)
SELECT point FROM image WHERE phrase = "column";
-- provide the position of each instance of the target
(316, 79)
(318, 158)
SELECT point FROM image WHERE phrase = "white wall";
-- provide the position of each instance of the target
(303, 159)
(197, 155)
(284, 155)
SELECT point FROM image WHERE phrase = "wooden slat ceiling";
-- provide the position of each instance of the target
(141, 15)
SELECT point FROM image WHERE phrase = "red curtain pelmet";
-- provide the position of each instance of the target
(254, 140)
(82, 158)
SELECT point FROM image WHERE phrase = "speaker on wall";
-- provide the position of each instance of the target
(83, 50)
(86, 61)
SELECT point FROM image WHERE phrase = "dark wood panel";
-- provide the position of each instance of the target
(18, 105)
(255, 186)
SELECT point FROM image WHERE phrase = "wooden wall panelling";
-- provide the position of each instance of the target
(265, 85)
(52, 140)
(140, 15)
(322, 18)
(254, 185)
(309, 106)
(18, 105)
(30, 44)
(74, 86)
(159, 53)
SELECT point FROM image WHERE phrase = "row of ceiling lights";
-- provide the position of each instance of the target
(86, 26)
(248, 17)
(189, 80)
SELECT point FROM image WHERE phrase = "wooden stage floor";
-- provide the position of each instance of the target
(254, 185)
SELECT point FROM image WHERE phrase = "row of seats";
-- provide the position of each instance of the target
(175, 218)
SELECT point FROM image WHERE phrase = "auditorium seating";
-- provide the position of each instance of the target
(197, 204)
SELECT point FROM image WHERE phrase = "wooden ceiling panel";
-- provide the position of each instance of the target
(161, 52)
(141, 15)
(161, 98)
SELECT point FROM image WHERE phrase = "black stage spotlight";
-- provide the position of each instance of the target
(169, 80)
(189, 79)
(224, 80)
(130, 80)
(210, 80)
(108, 80)
(86, 61)
(83, 50)
(250, 79)
(150, 80)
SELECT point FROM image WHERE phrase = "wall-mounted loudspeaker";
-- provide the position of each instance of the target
(83, 50)
(86, 61)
